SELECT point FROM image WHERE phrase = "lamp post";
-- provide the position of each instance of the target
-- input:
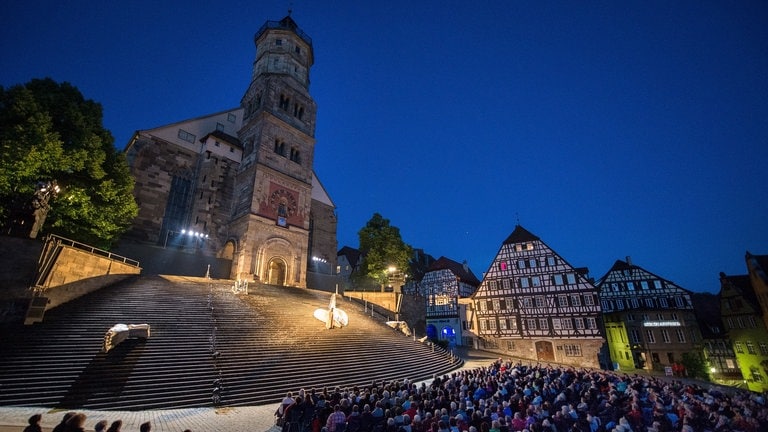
(43, 194)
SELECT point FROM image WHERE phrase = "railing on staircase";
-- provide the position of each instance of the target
(45, 264)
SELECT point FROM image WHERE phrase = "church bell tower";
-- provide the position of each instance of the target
(271, 212)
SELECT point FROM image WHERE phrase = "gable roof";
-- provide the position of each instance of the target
(461, 271)
(519, 235)
(353, 255)
(742, 286)
(706, 307)
(319, 193)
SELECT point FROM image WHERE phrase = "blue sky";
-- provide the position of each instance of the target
(609, 129)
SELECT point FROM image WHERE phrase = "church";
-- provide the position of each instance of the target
(239, 184)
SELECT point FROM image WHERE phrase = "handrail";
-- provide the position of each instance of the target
(93, 250)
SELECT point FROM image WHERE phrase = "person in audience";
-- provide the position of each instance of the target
(100, 426)
(115, 426)
(145, 427)
(336, 419)
(294, 416)
(34, 423)
(354, 420)
(63, 425)
(76, 423)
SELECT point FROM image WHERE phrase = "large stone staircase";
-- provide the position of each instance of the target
(208, 347)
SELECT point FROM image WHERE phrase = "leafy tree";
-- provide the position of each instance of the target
(382, 248)
(49, 131)
(694, 365)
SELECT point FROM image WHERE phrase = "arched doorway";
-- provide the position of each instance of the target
(431, 331)
(544, 351)
(277, 270)
(228, 252)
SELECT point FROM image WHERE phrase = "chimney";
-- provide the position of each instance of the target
(629, 260)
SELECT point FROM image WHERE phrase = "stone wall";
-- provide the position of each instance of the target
(323, 236)
(412, 309)
(77, 272)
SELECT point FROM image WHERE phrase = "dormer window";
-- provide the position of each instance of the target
(278, 42)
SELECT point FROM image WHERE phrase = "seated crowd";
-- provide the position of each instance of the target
(506, 397)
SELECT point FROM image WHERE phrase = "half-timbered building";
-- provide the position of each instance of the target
(533, 304)
(443, 285)
(719, 357)
(649, 321)
(742, 317)
(757, 266)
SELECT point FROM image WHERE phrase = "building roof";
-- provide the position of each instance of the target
(706, 307)
(461, 271)
(353, 255)
(743, 286)
(758, 266)
(637, 273)
(224, 137)
(520, 235)
(286, 23)
(318, 191)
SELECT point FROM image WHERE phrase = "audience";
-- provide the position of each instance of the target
(507, 397)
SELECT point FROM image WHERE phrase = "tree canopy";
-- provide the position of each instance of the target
(382, 248)
(50, 132)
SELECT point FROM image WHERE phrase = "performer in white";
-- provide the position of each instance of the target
(332, 317)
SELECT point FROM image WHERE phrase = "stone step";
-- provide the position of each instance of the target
(266, 343)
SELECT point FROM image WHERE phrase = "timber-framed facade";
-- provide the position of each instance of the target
(444, 284)
(533, 304)
(650, 321)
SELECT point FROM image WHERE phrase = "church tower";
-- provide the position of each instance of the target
(273, 187)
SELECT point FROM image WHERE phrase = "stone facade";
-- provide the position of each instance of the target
(240, 184)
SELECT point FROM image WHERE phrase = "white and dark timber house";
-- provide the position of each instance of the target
(650, 322)
(534, 305)
(444, 285)
(242, 180)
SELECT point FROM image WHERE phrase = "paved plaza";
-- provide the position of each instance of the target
(252, 419)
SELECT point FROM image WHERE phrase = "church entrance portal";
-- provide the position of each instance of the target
(544, 351)
(276, 272)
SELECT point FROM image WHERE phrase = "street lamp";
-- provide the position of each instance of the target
(44, 192)
(191, 233)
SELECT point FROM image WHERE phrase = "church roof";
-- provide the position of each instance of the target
(519, 235)
(286, 23)
(319, 193)
(460, 270)
(224, 137)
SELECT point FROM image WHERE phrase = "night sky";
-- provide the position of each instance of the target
(609, 129)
